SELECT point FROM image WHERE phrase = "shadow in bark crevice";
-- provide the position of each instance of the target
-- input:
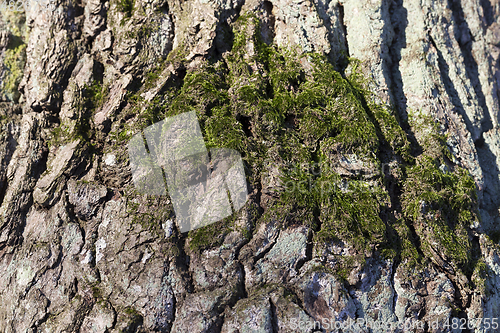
(464, 38)
(392, 74)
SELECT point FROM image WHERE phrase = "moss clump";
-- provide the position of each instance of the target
(439, 198)
(352, 214)
(79, 130)
(96, 292)
(151, 77)
(401, 245)
(211, 235)
(94, 95)
(260, 98)
(59, 135)
(264, 102)
(443, 201)
(393, 135)
(346, 264)
(130, 311)
(429, 139)
(92, 98)
(122, 134)
(479, 276)
(130, 319)
(14, 61)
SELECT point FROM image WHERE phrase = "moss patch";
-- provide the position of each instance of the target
(14, 61)
(126, 7)
(296, 110)
(147, 210)
(439, 198)
(211, 235)
(444, 202)
(94, 95)
(260, 97)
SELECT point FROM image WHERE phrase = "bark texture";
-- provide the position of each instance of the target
(80, 251)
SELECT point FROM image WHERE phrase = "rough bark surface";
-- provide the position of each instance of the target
(74, 256)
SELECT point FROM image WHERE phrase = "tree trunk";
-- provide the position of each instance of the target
(369, 139)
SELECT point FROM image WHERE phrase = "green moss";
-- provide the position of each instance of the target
(429, 136)
(96, 290)
(81, 129)
(391, 132)
(59, 135)
(122, 134)
(14, 60)
(261, 101)
(345, 265)
(126, 7)
(130, 311)
(401, 244)
(444, 202)
(178, 55)
(321, 269)
(438, 197)
(148, 211)
(353, 215)
(78, 130)
(211, 235)
(151, 77)
(297, 111)
(479, 276)
(132, 320)
(94, 95)
(222, 130)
